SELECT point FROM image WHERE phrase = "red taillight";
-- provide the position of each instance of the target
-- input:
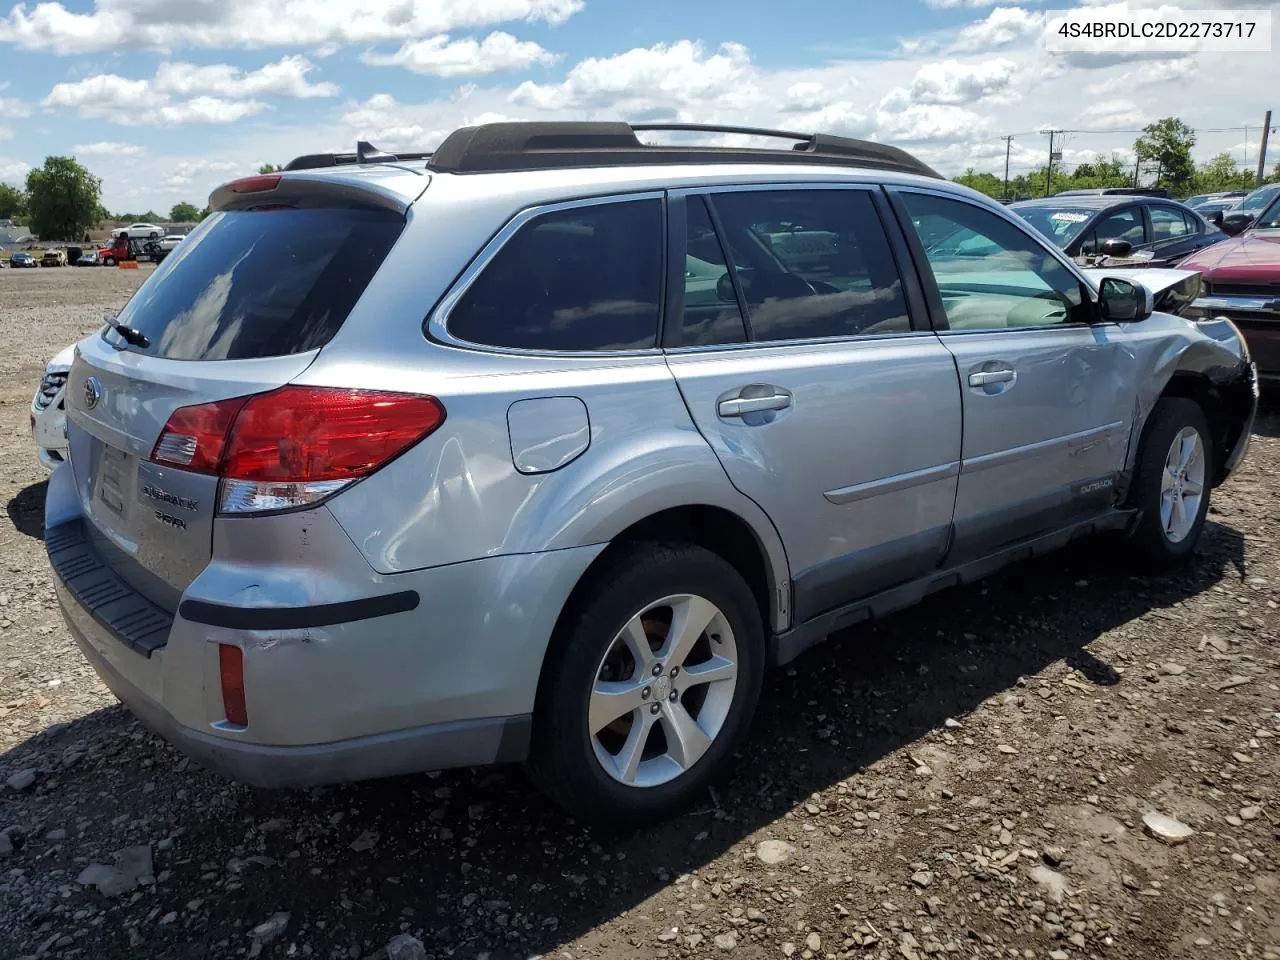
(258, 184)
(195, 437)
(312, 433)
(294, 445)
(231, 671)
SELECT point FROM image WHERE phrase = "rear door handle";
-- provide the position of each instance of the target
(740, 406)
(984, 377)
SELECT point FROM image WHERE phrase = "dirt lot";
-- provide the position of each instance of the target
(968, 779)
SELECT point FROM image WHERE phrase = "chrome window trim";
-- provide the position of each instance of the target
(437, 325)
(865, 186)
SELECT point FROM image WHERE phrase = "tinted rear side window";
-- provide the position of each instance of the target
(812, 263)
(586, 278)
(265, 283)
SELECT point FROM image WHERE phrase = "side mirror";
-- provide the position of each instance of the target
(1216, 219)
(1123, 301)
(1116, 247)
(1235, 224)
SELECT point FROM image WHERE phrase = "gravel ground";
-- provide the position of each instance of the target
(968, 779)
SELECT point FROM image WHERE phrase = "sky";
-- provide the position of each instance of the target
(165, 99)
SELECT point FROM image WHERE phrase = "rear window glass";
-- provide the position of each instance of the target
(264, 283)
(587, 278)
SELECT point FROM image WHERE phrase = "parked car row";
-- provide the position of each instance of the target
(500, 560)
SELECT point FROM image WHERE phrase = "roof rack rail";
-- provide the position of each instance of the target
(511, 146)
(365, 153)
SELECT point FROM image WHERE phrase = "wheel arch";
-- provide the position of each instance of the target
(1218, 383)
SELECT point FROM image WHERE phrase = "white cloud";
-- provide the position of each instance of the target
(170, 24)
(1000, 28)
(442, 57)
(218, 93)
(1119, 114)
(107, 148)
(12, 106)
(184, 172)
(952, 82)
(284, 78)
(6, 133)
(136, 103)
(13, 171)
(670, 78)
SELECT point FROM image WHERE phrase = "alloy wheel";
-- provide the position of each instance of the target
(663, 690)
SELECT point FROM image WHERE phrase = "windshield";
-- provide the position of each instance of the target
(1059, 224)
(1270, 218)
(1259, 198)
(270, 283)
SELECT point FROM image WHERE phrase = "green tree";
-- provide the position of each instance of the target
(13, 202)
(205, 212)
(62, 199)
(987, 183)
(1221, 173)
(270, 168)
(1168, 142)
(184, 213)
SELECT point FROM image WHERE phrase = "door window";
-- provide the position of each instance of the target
(1009, 280)
(1167, 223)
(585, 278)
(1123, 224)
(711, 313)
(812, 264)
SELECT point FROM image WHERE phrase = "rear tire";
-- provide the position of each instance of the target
(1171, 484)
(684, 697)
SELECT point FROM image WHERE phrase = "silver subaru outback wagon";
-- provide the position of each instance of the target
(543, 446)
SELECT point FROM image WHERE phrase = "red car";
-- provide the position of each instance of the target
(1242, 282)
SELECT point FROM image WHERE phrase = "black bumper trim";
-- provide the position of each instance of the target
(297, 618)
(133, 619)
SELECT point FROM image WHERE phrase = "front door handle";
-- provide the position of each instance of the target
(740, 406)
(984, 377)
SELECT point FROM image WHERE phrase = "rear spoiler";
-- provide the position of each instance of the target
(268, 190)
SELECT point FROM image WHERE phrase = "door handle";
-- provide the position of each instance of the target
(740, 406)
(984, 377)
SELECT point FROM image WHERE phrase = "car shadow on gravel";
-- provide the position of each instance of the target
(476, 861)
(26, 510)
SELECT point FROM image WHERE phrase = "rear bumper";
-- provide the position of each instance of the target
(435, 746)
(344, 679)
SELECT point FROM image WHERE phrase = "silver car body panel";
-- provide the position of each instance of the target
(885, 467)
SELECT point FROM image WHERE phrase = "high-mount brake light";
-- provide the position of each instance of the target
(297, 445)
(257, 184)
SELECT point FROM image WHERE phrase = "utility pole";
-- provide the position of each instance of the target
(1137, 168)
(1048, 173)
(1008, 142)
(1262, 150)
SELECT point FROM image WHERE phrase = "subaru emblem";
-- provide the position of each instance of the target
(92, 393)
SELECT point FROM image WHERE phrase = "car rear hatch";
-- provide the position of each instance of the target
(240, 308)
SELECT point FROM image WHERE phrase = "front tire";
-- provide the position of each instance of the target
(651, 683)
(1172, 482)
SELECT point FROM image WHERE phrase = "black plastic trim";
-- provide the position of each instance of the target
(786, 646)
(130, 617)
(298, 618)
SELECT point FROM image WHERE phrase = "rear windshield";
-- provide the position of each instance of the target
(260, 283)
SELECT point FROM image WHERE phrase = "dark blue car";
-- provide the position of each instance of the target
(21, 259)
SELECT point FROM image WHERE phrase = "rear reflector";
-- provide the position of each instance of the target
(296, 445)
(231, 670)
